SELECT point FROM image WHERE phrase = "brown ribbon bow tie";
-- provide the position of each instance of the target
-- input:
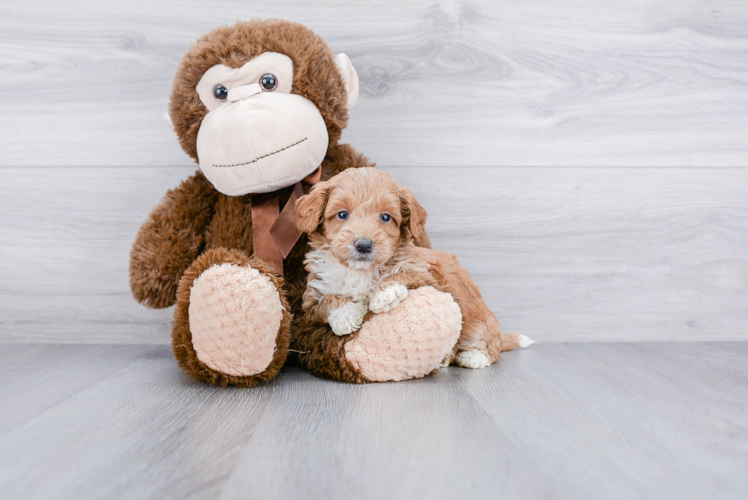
(274, 232)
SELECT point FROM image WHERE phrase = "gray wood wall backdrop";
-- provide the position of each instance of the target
(587, 160)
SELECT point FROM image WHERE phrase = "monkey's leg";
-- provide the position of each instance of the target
(231, 322)
(409, 341)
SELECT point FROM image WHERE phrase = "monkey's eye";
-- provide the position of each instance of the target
(220, 92)
(268, 82)
(385, 217)
(343, 215)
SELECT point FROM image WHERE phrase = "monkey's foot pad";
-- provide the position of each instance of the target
(410, 341)
(235, 314)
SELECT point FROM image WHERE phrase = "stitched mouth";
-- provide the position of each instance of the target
(263, 156)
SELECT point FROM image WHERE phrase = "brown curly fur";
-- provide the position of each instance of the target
(366, 194)
(323, 352)
(171, 238)
(195, 226)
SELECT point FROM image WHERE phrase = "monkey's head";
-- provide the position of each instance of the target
(259, 103)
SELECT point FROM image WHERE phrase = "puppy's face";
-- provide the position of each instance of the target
(362, 214)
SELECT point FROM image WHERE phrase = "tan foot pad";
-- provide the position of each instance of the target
(409, 341)
(235, 314)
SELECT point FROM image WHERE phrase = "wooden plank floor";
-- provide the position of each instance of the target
(653, 420)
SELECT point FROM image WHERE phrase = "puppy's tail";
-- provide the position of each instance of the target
(510, 340)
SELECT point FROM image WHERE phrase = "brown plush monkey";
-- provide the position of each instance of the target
(260, 106)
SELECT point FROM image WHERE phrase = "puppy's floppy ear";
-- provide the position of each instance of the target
(311, 207)
(414, 215)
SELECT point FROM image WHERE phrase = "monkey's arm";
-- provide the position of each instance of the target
(170, 240)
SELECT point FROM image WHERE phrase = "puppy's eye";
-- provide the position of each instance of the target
(268, 82)
(220, 92)
(343, 215)
(385, 217)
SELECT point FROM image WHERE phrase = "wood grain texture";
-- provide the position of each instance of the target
(560, 254)
(143, 431)
(37, 377)
(479, 82)
(597, 421)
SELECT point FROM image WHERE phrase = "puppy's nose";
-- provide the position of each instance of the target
(363, 245)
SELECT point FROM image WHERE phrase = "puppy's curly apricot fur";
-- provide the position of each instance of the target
(368, 204)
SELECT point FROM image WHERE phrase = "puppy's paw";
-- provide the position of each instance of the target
(472, 359)
(347, 319)
(387, 298)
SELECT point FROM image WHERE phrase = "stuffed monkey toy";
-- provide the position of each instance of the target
(261, 106)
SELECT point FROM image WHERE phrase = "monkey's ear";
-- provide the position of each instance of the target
(167, 119)
(310, 208)
(414, 215)
(350, 78)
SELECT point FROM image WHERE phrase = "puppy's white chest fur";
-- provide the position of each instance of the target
(334, 277)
